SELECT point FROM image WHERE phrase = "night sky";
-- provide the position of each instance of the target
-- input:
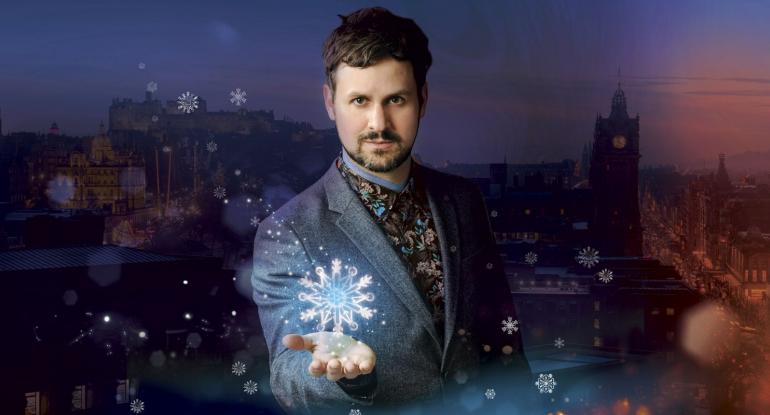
(518, 78)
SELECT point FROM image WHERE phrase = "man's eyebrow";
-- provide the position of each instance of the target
(361, 94)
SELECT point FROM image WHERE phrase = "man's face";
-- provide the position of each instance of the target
(377, 112)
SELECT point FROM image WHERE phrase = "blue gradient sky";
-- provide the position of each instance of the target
(523, 78)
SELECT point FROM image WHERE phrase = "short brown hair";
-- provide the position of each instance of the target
(368, 35)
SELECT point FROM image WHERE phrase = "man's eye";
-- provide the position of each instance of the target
(358, 100)
(398, 99)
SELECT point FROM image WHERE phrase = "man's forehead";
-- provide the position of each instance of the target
(386, 77)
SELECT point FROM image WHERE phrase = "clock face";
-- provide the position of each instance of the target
(619, 141)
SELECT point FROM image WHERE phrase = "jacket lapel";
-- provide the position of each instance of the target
(359, 226)
(445, 219)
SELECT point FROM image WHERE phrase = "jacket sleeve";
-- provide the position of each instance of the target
(280, 260)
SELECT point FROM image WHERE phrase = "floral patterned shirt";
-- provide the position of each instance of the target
(406, 219)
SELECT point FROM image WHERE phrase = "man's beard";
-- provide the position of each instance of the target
(379, 160)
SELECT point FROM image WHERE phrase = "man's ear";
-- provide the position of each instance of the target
(329, 101)
(424, 94)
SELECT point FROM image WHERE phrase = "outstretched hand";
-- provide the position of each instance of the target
(335, 355)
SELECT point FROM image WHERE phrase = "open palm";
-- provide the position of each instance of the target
(334, 354)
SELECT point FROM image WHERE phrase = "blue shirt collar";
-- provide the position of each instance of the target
(397, 187)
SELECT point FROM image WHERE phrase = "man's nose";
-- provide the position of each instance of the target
(377, 118)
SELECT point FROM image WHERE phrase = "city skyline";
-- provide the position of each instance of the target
(527, 86)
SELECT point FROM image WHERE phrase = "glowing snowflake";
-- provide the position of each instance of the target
(155, 118)
(490, 394)
(588, 257)
(239, 368)
(250, 387)
(137, 406)
(530, 258)
(187, 102)
(559, 343)
(336, 298)
(510, 325)
(220, 192)
(254, 221)
(211, 146)
(152, 86)
(238, 97)
(354, 412)
(545, 383)
(493, 213)
(605, 275)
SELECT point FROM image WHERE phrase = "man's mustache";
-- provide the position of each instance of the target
(386, 135)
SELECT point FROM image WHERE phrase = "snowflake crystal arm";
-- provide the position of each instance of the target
(278, 276)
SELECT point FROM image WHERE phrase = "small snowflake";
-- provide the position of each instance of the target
(490, 265)
(142, 65)
(155, 118)
(254, 221)
(152, 86)
(237, 172)
(220, 192)
(211, 146)
(187, 102)
(490, 394)
(166, 149)
(605, 275)
(354, 412)
(137, 406)
(250, 387)
(588, 257)
(493, 213)
(239, 368)
(238, 97)
(510, 325)
(559, 343)
(530, 258)
(545, 383)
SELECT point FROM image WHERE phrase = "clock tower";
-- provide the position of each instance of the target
(614, 178)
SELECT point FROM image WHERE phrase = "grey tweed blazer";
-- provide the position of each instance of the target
(328, 221)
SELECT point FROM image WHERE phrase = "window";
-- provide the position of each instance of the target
(33, 403)
(597, 342)
(754, 275)
(670, 311)
(597, 305)
(597, 324)
(764, 275)
(655, 311)
(670, 336)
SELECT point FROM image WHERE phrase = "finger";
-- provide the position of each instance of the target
(334, 370)
(366, 366)
(298, 342)
(351, 370)
(316, 368)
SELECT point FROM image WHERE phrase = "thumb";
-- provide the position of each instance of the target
(298, 342)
